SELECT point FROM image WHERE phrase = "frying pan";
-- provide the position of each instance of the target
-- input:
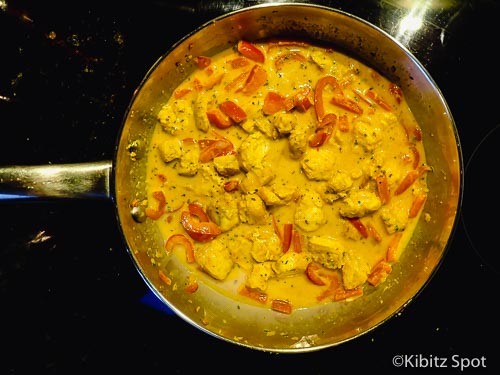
(123, 180)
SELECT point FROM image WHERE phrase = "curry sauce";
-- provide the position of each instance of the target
(286, 174)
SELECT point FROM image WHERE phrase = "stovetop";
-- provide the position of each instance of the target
(71, 299)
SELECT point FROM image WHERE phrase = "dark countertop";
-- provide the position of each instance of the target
(71, 299)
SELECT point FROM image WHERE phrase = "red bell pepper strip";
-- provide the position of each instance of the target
(237, 83)
(297, 242)
(378, 99)
(390, 255)
(417, 204)
(319, 138)
(416, 156)
(218, 118)
(197, 210)
(233, 110)
(396, 92)
(250, 51)
(167, 280)
(212, 148)
(410, 178)
(232, 185)
(181, 240)
(379, 273)
(180, 93)
(303, 99)
(256, 78)
(314, 273)
(202, 61)
(287, 236)
(192, 286)
(155, 214)
(253, 294)
(344, 294)
(239, 62)
(383, 188)
(198, 225)
(343, 102)
(357, 223)
(334, 285)
(339, 99)
(273, 102)
(373, 232)
(281, 306)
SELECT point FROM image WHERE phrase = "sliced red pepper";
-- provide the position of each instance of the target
(253, 294)
(333, 286)
(239, 62)
(202, 61)
(214, 147)
(373, 232)
(256, 78)
(197, 210)
(197, 225)
(198, 86)
(319, 138)
(358, 224)
(303, 100)
(276, 228)
(287, 236)
(273, 103)
(396, 92)
(281, 306)
(413, 132)
(417, 204)
(192, 286)
(238, 83)
(250, 51)
(379, 273)
(297, 242)
(350, 105)
(416, 156)
(182, 240)
(383, 188)
(180, 93)
(344, 294)
(167, 280)
(362, 96)
(232, 185)
(155, 214)
(233, 110)
(318, 96)
(330, 119)
(201, 231)
(339, 99)
(390, 255)
(410, 178)
(378, 99)
(218, 118)
(315, 274)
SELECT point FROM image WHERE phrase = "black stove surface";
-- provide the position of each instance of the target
(71, 299)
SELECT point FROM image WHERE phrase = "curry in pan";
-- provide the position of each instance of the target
(286, 175)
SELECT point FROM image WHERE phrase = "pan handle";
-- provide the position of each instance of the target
(79, 180)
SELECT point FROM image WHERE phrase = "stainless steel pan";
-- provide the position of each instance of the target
(123, 180)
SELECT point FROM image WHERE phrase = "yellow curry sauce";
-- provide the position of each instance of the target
(286, 174)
